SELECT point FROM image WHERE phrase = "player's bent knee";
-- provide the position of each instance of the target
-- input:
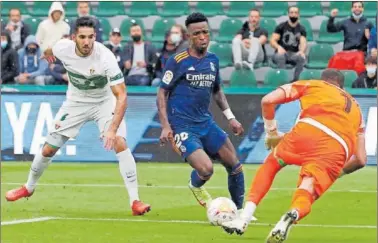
(120, 144)
(205, 172)
(49, 150)
(308, 185)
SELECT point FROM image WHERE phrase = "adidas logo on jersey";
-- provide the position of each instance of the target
(191, 69)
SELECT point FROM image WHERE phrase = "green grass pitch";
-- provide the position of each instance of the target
(88, 203)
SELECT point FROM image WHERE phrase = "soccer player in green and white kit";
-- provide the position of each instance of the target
(96, 92)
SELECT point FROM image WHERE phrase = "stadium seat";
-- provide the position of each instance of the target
(307, 25)
(243, 78)
(174, 9)
(33, 24)
(40, 9)
(228, 29)
(71, 9)
(343, 7)
(268, 24)
(274, 9)
(370, 9)
(309, 9)
(319, 56)
(109, 9)
(7, 5)
(125, 28)
(349, 77)
(161, 26)
(239, 9)
(329, 38)
(106, 28)
(308, 74)
(224, 53)
(210, 9)
(276, 77)
(142, 9)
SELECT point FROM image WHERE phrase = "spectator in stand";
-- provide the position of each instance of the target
(175, 42)
(368, 79)
(32, 68)
(17, 28)
(56, 73)
(114, 44)
(373, 42)
(248, 46)
(139, 59)
(356, 28)
(53, 28)
(9, 59)
(83, 9)
(289, 40)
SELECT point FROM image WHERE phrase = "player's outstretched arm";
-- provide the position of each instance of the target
(119, 91)
(359, 159)
(166, 133)
(221, 100)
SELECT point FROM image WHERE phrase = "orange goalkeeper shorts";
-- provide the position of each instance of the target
(320, 156)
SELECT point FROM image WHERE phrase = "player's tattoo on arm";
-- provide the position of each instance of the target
(162, 107)
(119, 92)
(221, 100)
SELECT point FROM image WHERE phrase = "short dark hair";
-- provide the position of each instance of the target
(371, 60)
(254, 10)
(195, 18)
(362, 3)
(85, 21)
(333, 75)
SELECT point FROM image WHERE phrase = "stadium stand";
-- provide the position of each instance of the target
(225, 20)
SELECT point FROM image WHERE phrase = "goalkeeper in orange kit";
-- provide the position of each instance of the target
(327, 142)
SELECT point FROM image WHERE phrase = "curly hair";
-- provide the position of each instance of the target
(195, 18)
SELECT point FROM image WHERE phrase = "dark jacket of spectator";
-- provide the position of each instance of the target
(99, 29)
(57, 70)
(150, 56)
(30, 62)
(9, 61)
(373, 38)
(117, 51)
(24, 33)
(245, 33)
(354, 32)
(364, 81)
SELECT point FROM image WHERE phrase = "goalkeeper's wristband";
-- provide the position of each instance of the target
(228, 114)
(270, 125)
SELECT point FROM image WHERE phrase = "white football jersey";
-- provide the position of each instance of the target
(90, 77)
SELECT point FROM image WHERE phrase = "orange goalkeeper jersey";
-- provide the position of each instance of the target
(329, 108)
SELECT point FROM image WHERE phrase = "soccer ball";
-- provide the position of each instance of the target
(221, 210)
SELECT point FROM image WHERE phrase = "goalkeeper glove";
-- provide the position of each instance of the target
(272, 135)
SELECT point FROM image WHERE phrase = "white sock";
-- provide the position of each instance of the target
(248, 211)
(127, 167)
(39, 164)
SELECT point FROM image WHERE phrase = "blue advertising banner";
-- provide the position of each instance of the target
(26, 117)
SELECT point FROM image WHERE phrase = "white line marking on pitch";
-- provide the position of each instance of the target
(25, 221)
(205, 222)
(172, 187)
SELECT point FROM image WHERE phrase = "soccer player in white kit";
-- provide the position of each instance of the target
(96, 92)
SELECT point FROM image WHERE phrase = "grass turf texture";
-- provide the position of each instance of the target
(93, 206)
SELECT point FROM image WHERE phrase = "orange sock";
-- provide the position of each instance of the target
(302, 202)
(263, 179)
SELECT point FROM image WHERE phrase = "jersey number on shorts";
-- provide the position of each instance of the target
(180, 137)
(348, 103)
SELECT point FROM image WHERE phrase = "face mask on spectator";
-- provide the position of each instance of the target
(4, 44)
(371, 70)
(175, 38)
(136, 38)
(32, 50)
(357, 16)
(293, 19)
